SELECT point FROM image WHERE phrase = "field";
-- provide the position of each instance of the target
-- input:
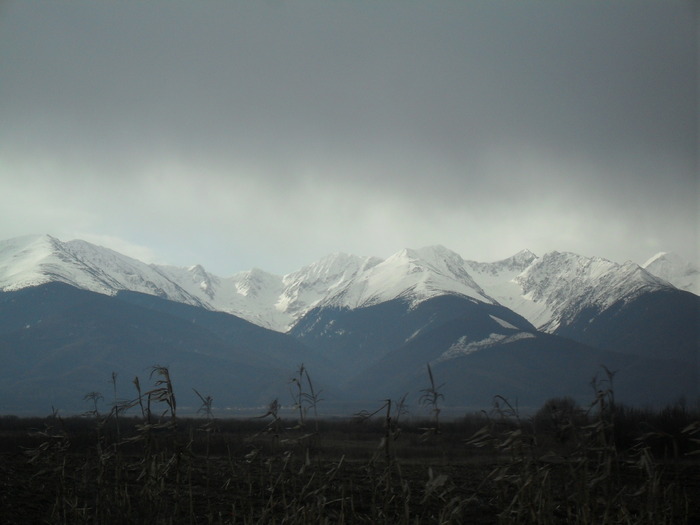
(603, 463)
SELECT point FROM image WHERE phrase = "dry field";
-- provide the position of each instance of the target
(598, 464)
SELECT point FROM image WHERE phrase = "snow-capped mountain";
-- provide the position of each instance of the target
(331, 275)
(250, 295)
(498, 279)
(269, 300)
(552, 290)
(559, 286)
(547, 291)
(414, 275)
(85, 311)
(265, 299)
(272, 301)
(34, 260)
(672, 268)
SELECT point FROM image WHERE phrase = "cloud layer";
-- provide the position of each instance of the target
(270, 134)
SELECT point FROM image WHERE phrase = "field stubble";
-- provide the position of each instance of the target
(603, 464)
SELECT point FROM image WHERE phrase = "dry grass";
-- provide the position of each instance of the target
(599, 464)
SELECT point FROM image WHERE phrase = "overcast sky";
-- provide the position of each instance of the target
(269, 134)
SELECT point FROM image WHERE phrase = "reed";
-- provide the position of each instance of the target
(602, 463)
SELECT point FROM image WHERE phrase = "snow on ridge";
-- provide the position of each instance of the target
(561, 284)
(499, 280)
(332, 268)
(546, 290)
(515, 263)
(414, 275)
(20, 260)
(38, 259)
(343, 280)
(312, 284)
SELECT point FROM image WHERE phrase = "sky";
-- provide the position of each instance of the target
(270, 134)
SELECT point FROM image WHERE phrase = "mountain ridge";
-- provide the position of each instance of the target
(546, 290)
(533, 327)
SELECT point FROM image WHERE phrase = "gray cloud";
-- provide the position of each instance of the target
(269, 134)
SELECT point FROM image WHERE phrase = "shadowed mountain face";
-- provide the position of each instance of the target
(479, 351)
(526, 370)
(663, 324)
(57, 343)
(359, 337)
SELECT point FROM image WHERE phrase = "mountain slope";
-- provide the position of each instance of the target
(34, 260)
(415, 275)
(479, 351)
(561, 285)
(663, 324)
(498, 279)
(527, 370)
(58, 342)
(263, 345)
(356, 338)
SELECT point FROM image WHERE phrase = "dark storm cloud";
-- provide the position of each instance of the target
(359, 126)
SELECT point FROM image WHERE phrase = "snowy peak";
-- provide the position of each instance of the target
(25, 261)
(561, 285)
(498, 280)
(674, 269)
(414, 275)
(205, 281)
(520, 260)
(437, 259)
(255, 282)
(332, 269)
(568, 271)
(34, 260)
(547, 291)
(512, 265)
(306, 288)
(435, 256)
(195, 280)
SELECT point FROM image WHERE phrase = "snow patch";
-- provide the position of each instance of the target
(413, 335)
(462, 347)
(504, 324)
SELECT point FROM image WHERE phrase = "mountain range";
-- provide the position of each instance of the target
(527, 327)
